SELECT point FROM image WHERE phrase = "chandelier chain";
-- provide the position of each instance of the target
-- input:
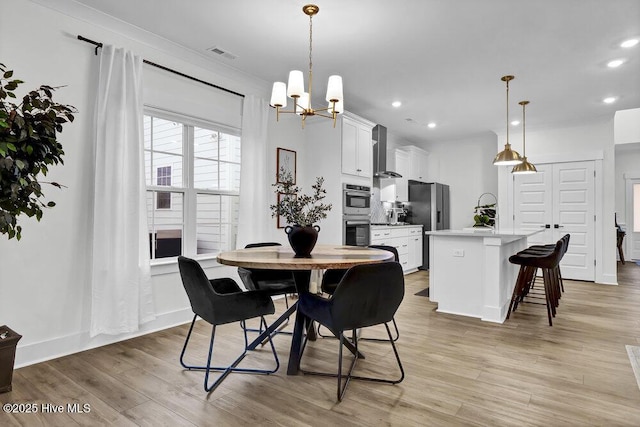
(310, 41)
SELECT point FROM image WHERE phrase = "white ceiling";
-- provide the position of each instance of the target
(442, 58)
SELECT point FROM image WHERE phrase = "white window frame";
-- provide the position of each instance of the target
(189, 194)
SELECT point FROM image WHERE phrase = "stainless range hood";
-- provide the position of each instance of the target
(380, 154)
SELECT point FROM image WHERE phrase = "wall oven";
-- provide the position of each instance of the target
(356, 230)
(356, 220)
(356, 200)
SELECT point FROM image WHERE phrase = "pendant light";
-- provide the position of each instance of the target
(524, 167)
(507, 157)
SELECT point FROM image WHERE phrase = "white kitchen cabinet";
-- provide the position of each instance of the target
(418, 164)
(415, 247)
(403, 239)
(397, 189)
(357, 151)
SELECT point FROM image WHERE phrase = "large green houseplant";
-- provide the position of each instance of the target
(28, 146)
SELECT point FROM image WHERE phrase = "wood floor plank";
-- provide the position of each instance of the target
(152, 414)
(459, 371)
(99, 383)
(63, 391)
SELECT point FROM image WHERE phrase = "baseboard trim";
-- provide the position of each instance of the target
(608, 279)
(63, 346)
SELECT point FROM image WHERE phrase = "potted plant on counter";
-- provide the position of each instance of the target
(301, 211)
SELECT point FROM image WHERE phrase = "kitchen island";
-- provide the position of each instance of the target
(470, 273)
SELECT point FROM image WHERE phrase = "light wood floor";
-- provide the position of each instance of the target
(460, 371)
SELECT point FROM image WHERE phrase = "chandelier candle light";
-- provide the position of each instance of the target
(507, 157)
(524, 167)
(295, 87)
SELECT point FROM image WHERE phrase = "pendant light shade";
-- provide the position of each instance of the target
(525, 167)
(507, 157)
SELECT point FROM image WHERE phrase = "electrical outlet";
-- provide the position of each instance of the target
(458, 252)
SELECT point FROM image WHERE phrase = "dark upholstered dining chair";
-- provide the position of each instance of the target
(221, 301)
(273, 282)
(331, 278)
(367, 295)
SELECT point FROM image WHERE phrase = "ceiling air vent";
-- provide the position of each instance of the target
(223, 53)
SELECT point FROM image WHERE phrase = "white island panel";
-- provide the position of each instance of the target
(470, 273)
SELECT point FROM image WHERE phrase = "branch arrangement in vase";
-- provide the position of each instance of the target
(299, 208)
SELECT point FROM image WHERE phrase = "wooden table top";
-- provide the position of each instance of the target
(322, 257)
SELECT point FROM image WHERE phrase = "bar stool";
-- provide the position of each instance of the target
(545, 250)
(547, 258)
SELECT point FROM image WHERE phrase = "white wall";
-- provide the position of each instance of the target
(44, 278)
(589, 141)
(466, 166)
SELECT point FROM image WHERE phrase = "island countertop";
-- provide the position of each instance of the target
(508, 232)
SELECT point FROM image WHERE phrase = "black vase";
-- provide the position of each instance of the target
(302, 239)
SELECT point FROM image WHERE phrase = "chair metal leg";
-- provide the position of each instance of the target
(226, 370)
(278, 330)
(342, 387)
(395, 326)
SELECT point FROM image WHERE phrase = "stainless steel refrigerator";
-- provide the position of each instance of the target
(428, 205)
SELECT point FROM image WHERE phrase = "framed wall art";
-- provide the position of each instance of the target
(286, 165)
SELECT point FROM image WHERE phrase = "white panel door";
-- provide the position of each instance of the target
(560, 198)
(532, 198)
(633, 224)
(573, 213)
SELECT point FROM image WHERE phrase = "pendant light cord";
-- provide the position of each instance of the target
(507, 112)
(524, 148)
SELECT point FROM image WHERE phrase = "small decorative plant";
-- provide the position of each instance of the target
(298, 208)
(485, 215)
(28, 146)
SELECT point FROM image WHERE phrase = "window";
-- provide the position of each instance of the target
(163, 199)
(193, 182)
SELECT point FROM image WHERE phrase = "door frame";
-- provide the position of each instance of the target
(630, 178)
(506, 193)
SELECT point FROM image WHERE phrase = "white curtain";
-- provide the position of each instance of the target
(121, 282)
(255, 188)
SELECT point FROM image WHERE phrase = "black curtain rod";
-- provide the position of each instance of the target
(98, 45)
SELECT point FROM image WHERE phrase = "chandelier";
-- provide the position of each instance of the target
(507, 157)
(295, 87)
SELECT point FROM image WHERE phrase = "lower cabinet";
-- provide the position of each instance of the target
(403, 239)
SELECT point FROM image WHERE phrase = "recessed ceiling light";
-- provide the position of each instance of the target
(629, 43)
(396, 104)
(515, 123)
(609, 100)
(431, 125)
(615, 63)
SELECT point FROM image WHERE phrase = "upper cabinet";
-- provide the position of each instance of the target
(397, 189)
(418, 164)
(357, 155)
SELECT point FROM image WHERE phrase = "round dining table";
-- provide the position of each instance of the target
(283, 258)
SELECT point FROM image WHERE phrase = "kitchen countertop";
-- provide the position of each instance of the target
(509, 232)
(395, 225)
